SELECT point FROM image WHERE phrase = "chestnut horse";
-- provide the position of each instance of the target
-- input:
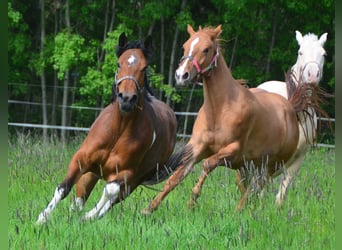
(128, 144)
(255, 133)
(305, 73)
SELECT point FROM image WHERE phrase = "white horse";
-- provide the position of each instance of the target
(308, 69)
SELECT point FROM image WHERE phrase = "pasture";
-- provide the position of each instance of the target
(306, 221)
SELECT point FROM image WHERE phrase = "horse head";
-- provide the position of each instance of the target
(201, 51)
(310, 60)
(130, 77)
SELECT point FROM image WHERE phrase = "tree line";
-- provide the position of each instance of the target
(62, 52)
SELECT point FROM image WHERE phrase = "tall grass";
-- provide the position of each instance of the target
(305, 222)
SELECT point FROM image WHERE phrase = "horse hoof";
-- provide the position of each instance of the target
(191, 204)
(146, 211)
(42, 219)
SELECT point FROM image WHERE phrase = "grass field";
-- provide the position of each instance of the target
(307, 220)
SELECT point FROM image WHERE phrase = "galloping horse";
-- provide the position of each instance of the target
(306, 73)
(246, 131)
(128, 144)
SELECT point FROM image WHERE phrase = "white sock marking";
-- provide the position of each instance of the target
(43, 216)
(110, 193)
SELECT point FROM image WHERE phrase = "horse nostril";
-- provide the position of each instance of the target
(185, 76)
(133, 99)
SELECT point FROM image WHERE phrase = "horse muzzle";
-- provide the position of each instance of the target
(312, 73)
(127, 102)
(184, 78)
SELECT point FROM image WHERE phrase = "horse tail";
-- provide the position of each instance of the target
(305, 98)
(177, 159)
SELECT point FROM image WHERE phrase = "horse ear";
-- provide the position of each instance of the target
(218, 30)
(323, 39)
(190, 30)
(299, 37)
(123, 40)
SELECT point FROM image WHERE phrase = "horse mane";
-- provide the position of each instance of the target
(304, 96)
(139, 44)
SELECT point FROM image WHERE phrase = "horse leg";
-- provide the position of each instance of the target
(250, 180)
(64, 188)
(196, 191)
(291, 169)
(239, 181)
(84, 186)
(221, 158)
(119, 185)
(110, 194)
(179, 174)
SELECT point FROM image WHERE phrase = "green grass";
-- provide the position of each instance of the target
(307, 220)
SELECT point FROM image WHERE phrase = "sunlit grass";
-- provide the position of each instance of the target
(305, 222)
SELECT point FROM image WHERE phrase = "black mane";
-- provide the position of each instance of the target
(139, 44)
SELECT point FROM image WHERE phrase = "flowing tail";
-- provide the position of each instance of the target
(176, 159)
(307, 99)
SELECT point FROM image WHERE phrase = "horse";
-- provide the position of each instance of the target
(128, 144)
(254, 133)
(306, 73)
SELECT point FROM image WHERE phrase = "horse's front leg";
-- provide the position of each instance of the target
(84, 186)
(64, 188)
(173, 181)
(119, 185)
(223, 157)
(109, 196)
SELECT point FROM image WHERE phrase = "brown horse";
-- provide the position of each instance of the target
(254, 133)
(129, 142)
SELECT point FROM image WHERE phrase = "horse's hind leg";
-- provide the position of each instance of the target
(291, 169)
(84, 186)
(64, 188)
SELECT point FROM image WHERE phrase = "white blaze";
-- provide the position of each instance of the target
(180, 70)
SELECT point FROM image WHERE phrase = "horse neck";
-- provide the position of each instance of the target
(219, 86)
(122, 122)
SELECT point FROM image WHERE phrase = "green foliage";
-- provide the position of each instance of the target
(157, 81)
(98, 80)
(68, 52)
(13, 16)
(249, 27)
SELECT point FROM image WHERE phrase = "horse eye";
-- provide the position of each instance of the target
(118, 64)
(206, 50)
(300, 53)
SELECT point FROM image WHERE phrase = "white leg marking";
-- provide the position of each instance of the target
(78, 204)
(43, 216)
(110, 193)
(106, 207)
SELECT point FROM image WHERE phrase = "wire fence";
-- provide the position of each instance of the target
(85, 129)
